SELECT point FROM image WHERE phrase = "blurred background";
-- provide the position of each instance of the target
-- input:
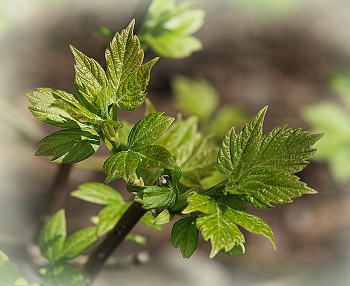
(256, 53)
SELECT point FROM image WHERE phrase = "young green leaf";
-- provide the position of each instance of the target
(185, 234)
(109, 216)
(155, 157)
(79, 242)
(98, 193)
(136, 238)
(218, 222)
(148, 220)
(196, 160)
(127, 77)
(167, 29)
(44, 110)
(164, 217)
(189, 92)
(69, 145)
(90, 83)
(8, 272)
(154, 197)
(147, 130)
(261, 167)
(123, 164)
(52, 236)
(63, 274)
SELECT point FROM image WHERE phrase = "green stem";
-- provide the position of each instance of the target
(113, 239)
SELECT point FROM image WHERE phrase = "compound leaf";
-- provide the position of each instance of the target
(185, 234)
(98, 193)
(52, 236)
(70, 145)
(147, 130)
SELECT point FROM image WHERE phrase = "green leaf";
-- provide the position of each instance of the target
(197, 161)
(164, 217)
(98, 193)
(127, 77)
(185, 234)
(334, 147)
(167, 29)
(237, 250)
(147, 130)
(218, 223)
(63, 274)
(44, 110)
(8, 272)
(109, 216)
(123, 164)
(239, 150)
(154, 197)
(79, 242)
(178, 134)
(70, 145)
(262, 167)
(189, 92)
(137, 238)
(90, 82)
(155, 157)
(148, 220)
(52, 236)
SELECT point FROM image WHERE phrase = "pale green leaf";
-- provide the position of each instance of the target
(148, 220)
(63, 274)
(8, 272)
(123, 164)
(163, 218)
(109, 216)
(98, 193)
(185, 234)
(43, 109)
(136, 238)
(52, 236)
(189, 93)
(147, 130)
(70, 145)
(178, 134)
(202, 203)
(79, 242)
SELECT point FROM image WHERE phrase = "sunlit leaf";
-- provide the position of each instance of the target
(123, 164)
(69, 145)
(154, 197)
(97, 193)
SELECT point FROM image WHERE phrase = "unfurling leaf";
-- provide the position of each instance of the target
(185, 234)
(261, 167)
(70, 145)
